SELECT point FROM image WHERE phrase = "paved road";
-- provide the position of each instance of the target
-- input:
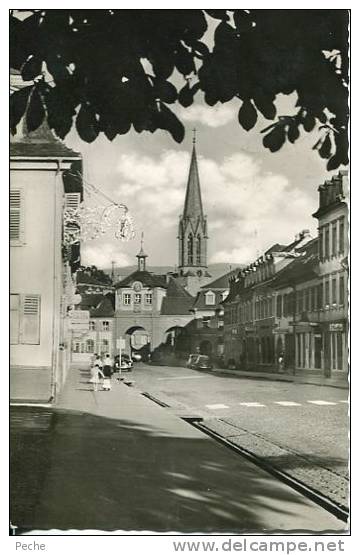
(278, 420)
(116, 460)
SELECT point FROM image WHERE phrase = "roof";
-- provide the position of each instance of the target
(83, 278)
(301, 269)
(147, 278)
(193, 204)
(177, 300)
(222, 282)
(23, 149)
(98, 305)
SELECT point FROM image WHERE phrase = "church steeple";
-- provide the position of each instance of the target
(192, 226)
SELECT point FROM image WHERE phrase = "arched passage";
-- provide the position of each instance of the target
(138, 339)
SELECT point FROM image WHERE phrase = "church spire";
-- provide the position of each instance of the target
(192, 235)
(193, 203)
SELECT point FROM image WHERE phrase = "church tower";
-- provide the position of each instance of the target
(192, 236)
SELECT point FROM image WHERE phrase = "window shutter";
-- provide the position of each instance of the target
(72, 200)
(31, 320)
(16, 215)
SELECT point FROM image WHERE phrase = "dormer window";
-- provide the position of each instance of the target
(209, 298)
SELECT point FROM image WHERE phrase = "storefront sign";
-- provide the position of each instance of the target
(336, 327)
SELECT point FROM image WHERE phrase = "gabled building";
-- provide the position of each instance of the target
(41, 267)
(150, 309)
(332, 216)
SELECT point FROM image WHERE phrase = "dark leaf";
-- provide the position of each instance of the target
(31, 69)
(293, 132)
(18, 103)
(275, 139)
(265, 105)
(200, 48)
(333, 163)
(184, 61)
(247, 115)
(243, 21)
(35, 113)
(309, 122)
(186, 94)
(60, 109)
(325, 149)
(164, 90)
(168, 121)
(86, 124)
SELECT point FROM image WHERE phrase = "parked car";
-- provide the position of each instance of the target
(136, 356)
(199, 362)
(126, 363)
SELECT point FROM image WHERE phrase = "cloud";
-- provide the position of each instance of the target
(248, 207)
(211, 116)
(102, 254)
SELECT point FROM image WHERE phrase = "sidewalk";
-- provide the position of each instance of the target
(304, 377)
(120, 462)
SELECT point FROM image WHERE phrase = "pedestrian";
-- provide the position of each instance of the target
(96, 374)
(107, 372)
(281, 362)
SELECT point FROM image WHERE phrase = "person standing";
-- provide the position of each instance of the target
(96, 374)
(107, 371)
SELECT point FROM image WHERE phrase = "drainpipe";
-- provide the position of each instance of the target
(55, 281)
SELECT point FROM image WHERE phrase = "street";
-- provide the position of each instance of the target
(117, 461)
(300, 428)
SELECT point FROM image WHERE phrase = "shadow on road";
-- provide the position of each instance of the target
(80, 471)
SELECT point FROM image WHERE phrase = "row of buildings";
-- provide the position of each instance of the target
(292, 301)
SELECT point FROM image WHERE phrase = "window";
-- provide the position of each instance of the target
(341, 236)
(198, 250)
(16, 216)
(105, 325)
(321, 245)
(105, 346)
(148, 298)
(190, 245)
(210, 298)
(334, 239)
(25, 319)
(137, 298)
(90, 346)
(327, 292)
(320, 300)
(14, 319)
(327, 242)
(126, 299)
(333, 291)
(72, 200)
(341, 290)
(92, 325)
(279, 306)
(206, 321)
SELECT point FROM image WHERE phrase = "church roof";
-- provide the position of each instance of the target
(177, 300)
(148, 279)
(193, 204)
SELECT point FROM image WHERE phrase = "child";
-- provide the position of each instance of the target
(95, 373)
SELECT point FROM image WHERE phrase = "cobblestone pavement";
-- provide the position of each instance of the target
(299, 429)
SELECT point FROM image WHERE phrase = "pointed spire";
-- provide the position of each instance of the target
(141, 256)
(193, 204)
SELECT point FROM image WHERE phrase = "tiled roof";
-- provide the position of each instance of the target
(56, 149)
(105, 308)
(146, 278)
(98, 305)
(222, 282)
(177, 300)
(200, 303)
(301, 269)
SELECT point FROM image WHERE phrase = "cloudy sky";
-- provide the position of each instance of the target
(252, 198)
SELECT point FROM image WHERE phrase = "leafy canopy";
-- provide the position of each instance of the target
(108, 70)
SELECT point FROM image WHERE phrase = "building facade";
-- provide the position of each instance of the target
(41, 269)
(332, 216)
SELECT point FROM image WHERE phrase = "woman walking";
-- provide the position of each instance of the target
(96, 374)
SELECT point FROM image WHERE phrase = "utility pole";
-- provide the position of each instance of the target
(112, 271)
